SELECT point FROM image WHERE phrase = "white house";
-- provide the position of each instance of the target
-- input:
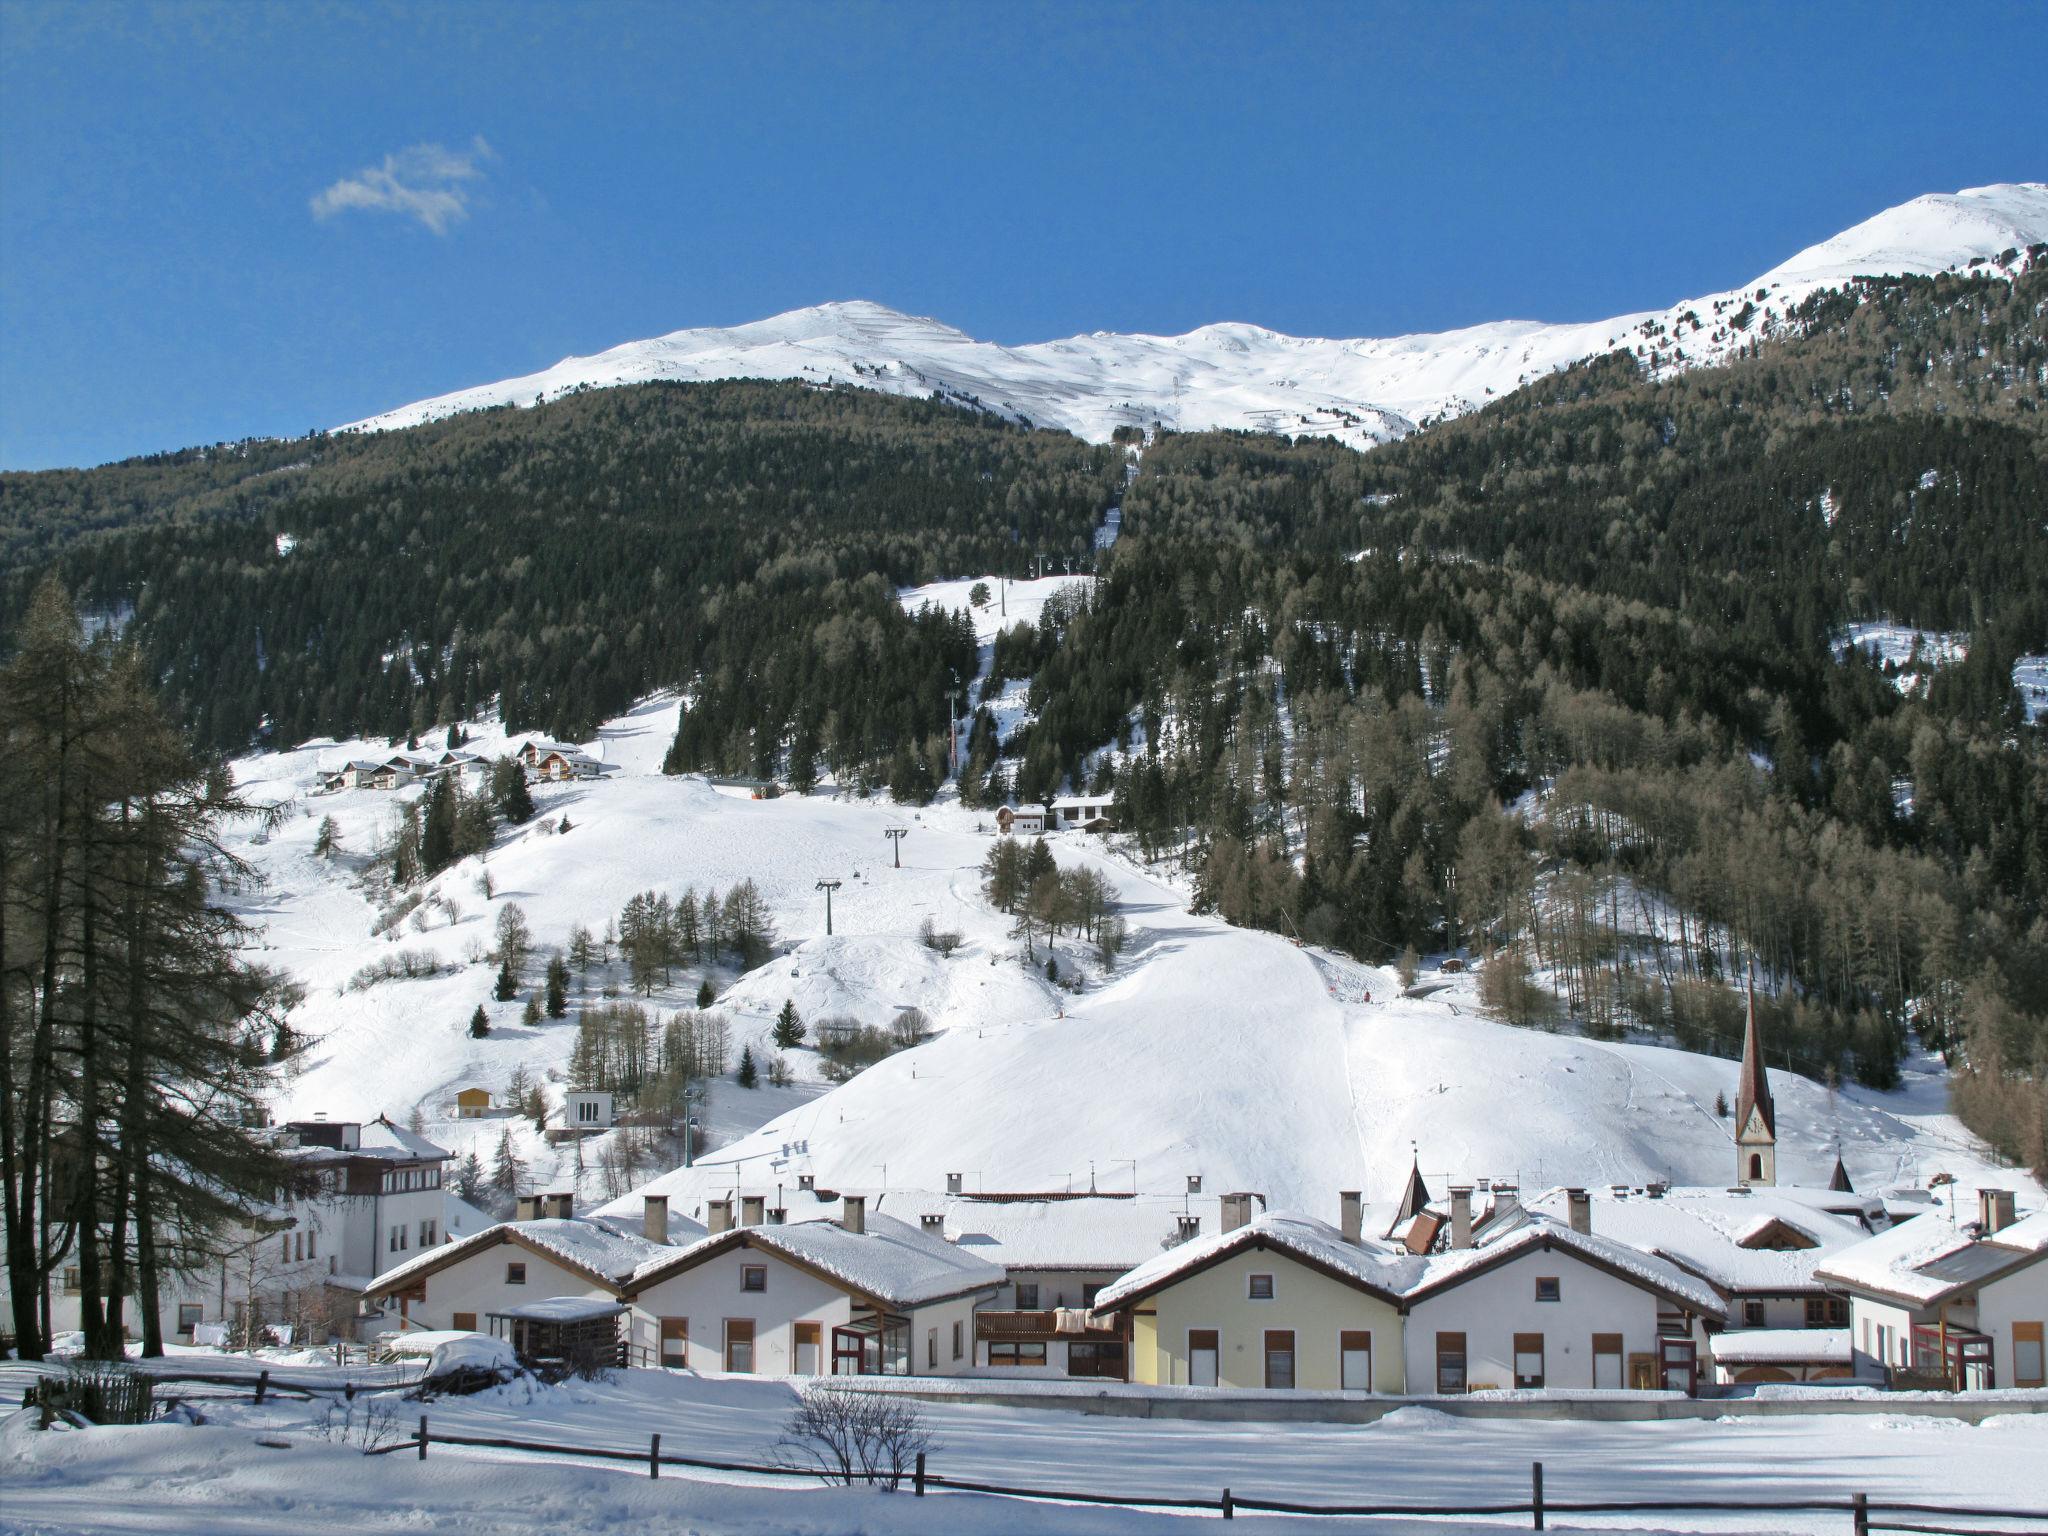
(587, 1109)
(1021, 820)
(1529, 1302)
(1088, 813)
(545, 1254)
(864, 1295)
(1941, 1303)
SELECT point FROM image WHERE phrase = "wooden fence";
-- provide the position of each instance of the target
(1864, 1514)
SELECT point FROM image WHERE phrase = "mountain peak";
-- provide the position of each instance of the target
(1236, 375)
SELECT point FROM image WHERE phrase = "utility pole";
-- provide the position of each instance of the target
(895, 836)
(828, 887)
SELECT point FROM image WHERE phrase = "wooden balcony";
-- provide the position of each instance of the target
(1042, 1324)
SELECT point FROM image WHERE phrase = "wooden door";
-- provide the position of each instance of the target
(463, 1322)
(1528, 1361)
(1354, 1350)
(1450, 1363)
(1202, 1357)
(739, 1345)
(1279, 1359)
(808, 1343)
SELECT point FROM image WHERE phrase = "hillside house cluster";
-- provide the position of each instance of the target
(1475, 1289)
(1068, 813)
(544, 761)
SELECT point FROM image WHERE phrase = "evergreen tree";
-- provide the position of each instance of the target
(507, 985)
(531, 1014)
(479, 1023)
(747, 1076)
(706, 993)
(469, 1178)
(509, 792)
(437, 834)
(789, 1026)
(508, 1169)
(327, 839)
(557, 987)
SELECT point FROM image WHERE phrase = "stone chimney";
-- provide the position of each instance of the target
(1238, 1209)
(933, 1222)
(1581, 1205)
(718, 1215)
(1352, 1203)
(1188, 1227)
(806, 1180)
(1507, 1199)
(561, 1206)
(1194, 1183)
(526, 1208)
(654, 1218)
(753, 1210)
(1461, 1216)
(954, 1181)
(853, 1213)
(1994, 1210)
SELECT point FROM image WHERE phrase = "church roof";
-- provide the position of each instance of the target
(1840, 1181)
(1414, 1199)
(1754, 1091)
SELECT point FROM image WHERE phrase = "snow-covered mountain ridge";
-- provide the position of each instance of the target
(1361, 391)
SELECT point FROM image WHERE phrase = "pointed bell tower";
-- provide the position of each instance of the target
(1756, 1118)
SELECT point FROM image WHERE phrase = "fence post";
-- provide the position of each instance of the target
(262, 1386)
(1536, 1494)
(423, 1437)
(1860, 1514)
(1229, 1511)
(654, 1457)
(918, 1477)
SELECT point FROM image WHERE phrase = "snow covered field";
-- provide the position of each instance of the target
(1362, 392)
(217, 1479)
(1206, 1049)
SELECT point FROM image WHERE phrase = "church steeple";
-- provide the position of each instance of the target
(1756, 1118)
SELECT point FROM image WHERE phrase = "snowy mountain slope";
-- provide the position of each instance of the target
(1360, 391)
(1208, 1049)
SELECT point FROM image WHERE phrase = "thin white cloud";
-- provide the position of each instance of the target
(428, 182)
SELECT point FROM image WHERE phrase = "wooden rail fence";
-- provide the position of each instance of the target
(1864, 1513)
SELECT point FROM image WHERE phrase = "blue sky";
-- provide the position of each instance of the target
(218, 221)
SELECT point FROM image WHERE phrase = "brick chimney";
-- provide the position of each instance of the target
(753, 1210)
(1995, 1210)
(954, 1181)
(562, 1206)
(1238, 1210)
(718, 1215)
(1461, 1216)
(526, 1208)
(1352, 1203)
(1581, 1205)
(654, 1218)
(853, 1213)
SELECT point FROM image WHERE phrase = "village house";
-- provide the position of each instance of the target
(365, 1196)
(512, 1279)
(1083, 813)
(1021, 820)
(1058, 1252)
(863, 1295)
(1269, 1301)
(1948, 1305)
(553, 761)
(1525, 1302)
(472, 1103)
(1759, 1250)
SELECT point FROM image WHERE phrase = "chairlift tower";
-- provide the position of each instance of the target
(828, 887)
(895, 836)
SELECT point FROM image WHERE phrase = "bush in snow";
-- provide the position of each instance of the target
(107, 1394)
(364, 1422)
(849, 1436)
(402, 965)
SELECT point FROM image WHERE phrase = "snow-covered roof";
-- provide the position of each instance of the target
(561, 1309)
(1770, 1346)
(1369, 1265)
(1511, 1238)
(423, 1341)
(1081, 802)
(891, 1261)
(378, 1139)
(1090, 1232)
(1930, 1257)
(1704, 1231)
(594, 1247)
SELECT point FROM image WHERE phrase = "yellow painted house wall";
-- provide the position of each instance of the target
(1318, 1309)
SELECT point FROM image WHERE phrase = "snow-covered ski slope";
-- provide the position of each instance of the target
(1360, 391)
(1207, 1049)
